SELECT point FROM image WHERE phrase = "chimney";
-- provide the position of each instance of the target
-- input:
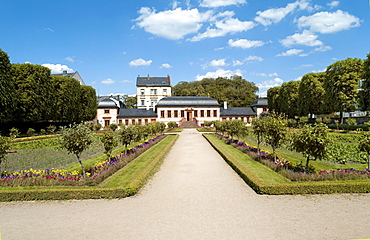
(169, 79)
(147, 107)
(148, 77)
(64, 73)
(225, 105)
(153, 107)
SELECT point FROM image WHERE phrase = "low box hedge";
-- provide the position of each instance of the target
(280, 187)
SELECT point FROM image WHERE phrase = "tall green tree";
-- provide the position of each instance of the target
(235, 90)
(310, 94)
(364, 94)
(33, 89)
(288, 98)
(258, 130)
(66, 104)
(4, 147)
(340, 84)
(7, 97)
(273, 99)
(88, 103)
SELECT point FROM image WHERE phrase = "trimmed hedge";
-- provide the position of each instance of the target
(67, 193)
(279, 188)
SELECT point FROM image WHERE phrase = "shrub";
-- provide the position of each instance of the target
(113, 126)
(171, 124)
(13, 133)
(42, 132)
(51, 128)
(31, 132)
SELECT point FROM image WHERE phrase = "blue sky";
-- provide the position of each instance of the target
(111, 42)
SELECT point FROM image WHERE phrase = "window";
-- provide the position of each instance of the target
(208, 113)
(182, 113)
(196, 113)
(153, 103)
(162, 114)
(153, 91)
(106, 111)
(120, 121)
(164, 91)
(214, 113)
(264, 109)
(169, 113)
(142, 102)
(106, 123)
(176, 114)
(126, 122)
(139, 121)
(142, 92)
(201, 113)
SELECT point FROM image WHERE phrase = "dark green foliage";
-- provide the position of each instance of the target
(171, 124)
(33, 91)
(31, 132)
(7, 97)
(364, 94)
(66, 103)
(340, 84)
(364, 145)
(310, 94)
(109, 141)
(273, 99)
(113, 126)
(88, 103)
(288, 98)
(235, 90)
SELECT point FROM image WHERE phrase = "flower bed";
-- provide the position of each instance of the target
(295, 172)
(95, 173)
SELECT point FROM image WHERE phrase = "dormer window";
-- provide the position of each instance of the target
(106, 110)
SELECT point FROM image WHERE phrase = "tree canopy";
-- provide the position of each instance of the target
(364, 99)
(310, 94)
(237, 91)
(340, 84)
(7, 100)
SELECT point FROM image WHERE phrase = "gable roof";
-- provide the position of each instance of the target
(237, 111)
(187, 101)
(153, 81)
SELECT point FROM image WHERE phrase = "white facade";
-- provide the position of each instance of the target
(183, 114)
(148, 97)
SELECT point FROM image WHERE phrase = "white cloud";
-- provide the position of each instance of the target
(325, 22)
(270, 83)
(265, 74)
(108, 81)
(48, 29)
(275, 15)
(319, 71)
(140, 62)
(126, 81)
(218, 63)
(291, 52)
(70, 59)
(253, 58)
(57, 68)
(220, 3)
(223, 27)
(171, 24)
(333, 4)
(307, 38)
(237, 63)
(323, 49)
(245, 43)
(166, 65)
(219, 73)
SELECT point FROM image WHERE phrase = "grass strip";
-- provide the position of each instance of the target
(112, 190)
(141, 166)
(263, 181)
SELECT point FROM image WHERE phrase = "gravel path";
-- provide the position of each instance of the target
(195, 195)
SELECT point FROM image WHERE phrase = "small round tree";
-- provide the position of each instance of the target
(76, 139)
(276, 129)
(258, 130)
(109, 141)
(364, 146)
(311, 141)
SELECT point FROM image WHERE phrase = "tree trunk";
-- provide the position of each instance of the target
(82, 167)
(341, 117)
(307, 161)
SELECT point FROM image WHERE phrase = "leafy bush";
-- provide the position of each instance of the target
(51, 128)
(31, 132)
(171, 124)
(13, 133)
